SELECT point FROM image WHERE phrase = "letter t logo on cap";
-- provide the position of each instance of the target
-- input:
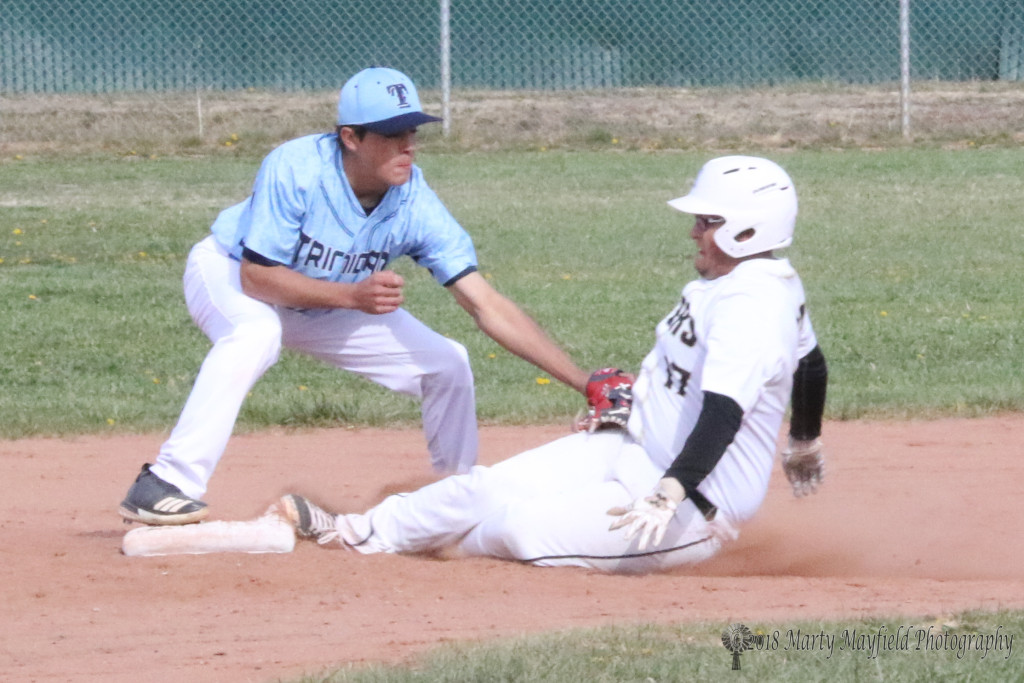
(399, 90)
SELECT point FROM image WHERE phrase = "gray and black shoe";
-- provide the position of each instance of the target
(151, 500)
(309, 519)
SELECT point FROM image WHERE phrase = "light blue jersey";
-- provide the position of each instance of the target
(303, 214)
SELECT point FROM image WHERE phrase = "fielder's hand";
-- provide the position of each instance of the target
(379, 293)
(610, 399)
(804, 465)
(649, 517)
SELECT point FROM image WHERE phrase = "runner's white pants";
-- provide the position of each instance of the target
(394, 349)
(547, 506)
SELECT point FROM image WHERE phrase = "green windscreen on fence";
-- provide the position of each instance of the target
(132, 45)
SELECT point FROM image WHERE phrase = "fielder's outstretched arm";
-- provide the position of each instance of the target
(503, 321)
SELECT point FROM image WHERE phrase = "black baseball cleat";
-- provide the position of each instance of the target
(151, 500)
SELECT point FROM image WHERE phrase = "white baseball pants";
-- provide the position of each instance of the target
(395, 350)
(547, 506)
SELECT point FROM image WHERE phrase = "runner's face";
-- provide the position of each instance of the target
(710, 261)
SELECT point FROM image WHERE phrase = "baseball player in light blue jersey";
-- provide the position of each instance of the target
(698, 450)
(302, 263)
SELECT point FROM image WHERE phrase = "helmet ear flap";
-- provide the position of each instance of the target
(745, 239)
(732, 240)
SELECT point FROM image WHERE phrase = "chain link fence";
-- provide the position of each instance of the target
(90, 46)
(161, 73)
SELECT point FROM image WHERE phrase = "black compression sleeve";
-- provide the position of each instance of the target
(809, 384)
(716, 427)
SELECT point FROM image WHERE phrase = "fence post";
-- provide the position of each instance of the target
(446, 67)
(905, 67)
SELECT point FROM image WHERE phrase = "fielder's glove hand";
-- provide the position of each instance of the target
(610, 398)
(804, 465)
(648, 517)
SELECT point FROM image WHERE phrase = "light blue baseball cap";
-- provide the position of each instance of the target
(382, 100)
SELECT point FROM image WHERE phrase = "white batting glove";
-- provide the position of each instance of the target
(648, 517)
(804, 465)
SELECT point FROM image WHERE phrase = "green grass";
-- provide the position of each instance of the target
(908, 256)
(929, 649)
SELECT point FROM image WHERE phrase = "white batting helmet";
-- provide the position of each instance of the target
(754, 196)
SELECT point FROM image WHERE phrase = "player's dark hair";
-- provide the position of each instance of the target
(359, 131)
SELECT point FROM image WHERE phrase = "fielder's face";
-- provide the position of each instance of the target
(377, 162)
(710, 261)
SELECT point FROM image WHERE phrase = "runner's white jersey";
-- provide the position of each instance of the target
(740, 335)
(303, 214)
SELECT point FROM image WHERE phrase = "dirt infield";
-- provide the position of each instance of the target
(912, 522)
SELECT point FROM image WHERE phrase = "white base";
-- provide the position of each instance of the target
(269, 534)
